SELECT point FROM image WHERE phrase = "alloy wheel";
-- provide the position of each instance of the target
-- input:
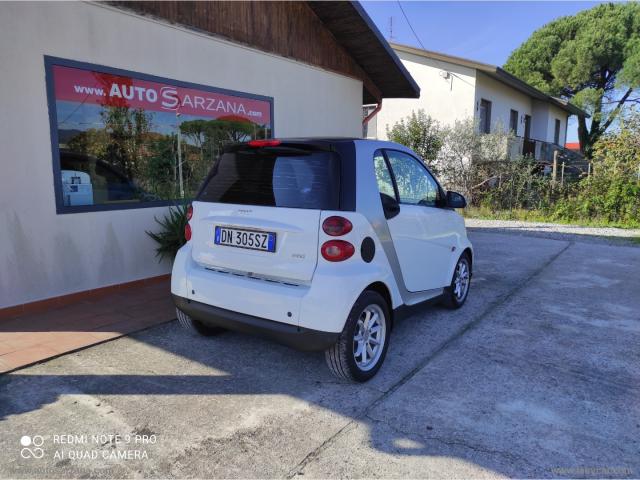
(369, 337)
(461, 279)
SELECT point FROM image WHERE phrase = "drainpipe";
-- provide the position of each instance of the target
(366, 119)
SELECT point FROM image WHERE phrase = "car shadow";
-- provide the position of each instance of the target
(264, 368)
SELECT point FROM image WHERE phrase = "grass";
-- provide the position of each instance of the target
(539, 216)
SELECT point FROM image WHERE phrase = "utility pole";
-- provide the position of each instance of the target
(180, 156)
(390, 28)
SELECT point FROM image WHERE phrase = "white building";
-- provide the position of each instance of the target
(455, 89)
(77, 198)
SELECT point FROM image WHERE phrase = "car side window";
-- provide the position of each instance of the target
(383, 177)
(415, 185)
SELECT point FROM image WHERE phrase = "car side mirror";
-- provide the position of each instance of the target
(390, 206)
(455, 200)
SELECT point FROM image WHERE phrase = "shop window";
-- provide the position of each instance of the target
(128, 140)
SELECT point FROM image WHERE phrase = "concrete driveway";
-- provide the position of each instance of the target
(537, 376)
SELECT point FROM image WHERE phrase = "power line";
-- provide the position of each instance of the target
(423, 47)
(410, 26)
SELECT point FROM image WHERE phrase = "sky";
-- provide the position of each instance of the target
(484, 31)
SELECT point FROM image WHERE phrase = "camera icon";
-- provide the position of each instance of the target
(31, 446)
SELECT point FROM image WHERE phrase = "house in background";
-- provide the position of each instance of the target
(455, 89)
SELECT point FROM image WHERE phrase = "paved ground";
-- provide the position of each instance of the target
(608, 235)
(537, 376)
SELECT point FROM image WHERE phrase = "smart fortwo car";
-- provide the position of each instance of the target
(320, 244)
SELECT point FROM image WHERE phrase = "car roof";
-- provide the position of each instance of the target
(327, 141)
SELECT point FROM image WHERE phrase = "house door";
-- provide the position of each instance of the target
(528, 145)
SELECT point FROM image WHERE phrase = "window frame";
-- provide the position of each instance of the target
(439, 202)
(487, 119)
(396, 194)
(514, 115)
(50, 62)
(527, 127)
(557, 127)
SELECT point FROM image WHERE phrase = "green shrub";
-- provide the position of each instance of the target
(171, 236)
(421, 134)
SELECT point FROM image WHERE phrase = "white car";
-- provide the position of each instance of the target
(320, 244)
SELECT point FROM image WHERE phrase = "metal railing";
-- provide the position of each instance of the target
(541, 151)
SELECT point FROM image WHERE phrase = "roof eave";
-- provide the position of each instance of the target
(494, 72)
(415, 93)
(524, 87)
(354, 30)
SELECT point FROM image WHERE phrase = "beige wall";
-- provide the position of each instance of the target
(503, 99)
(557, 113)
(444, 99)
(544, 119)
(43, 254)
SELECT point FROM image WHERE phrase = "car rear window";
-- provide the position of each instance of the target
(275, 178)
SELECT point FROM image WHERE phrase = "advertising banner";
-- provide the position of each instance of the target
(86, 86)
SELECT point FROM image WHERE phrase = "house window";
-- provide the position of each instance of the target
(485, 116)
(513, 121)
(122, 139)
(556, 133)
(527, 127)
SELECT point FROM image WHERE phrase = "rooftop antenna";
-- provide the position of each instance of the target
(390, 28)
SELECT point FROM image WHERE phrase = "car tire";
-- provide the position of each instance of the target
(369, 322)
(195, 326)
(457, 292)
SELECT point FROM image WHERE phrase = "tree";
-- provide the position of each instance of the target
(421, 134)
(612, 192)
(127, 129)
(591, 59)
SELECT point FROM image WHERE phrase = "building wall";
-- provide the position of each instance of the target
(540, 121)
(557, 113)
(543, 127)
(444, 99)
(43, 254)
(503, 99)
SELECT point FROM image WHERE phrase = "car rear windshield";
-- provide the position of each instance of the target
(272, 177)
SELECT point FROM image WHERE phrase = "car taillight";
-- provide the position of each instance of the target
(264, 143)
(336, 226)
(187, 232)
(337, 250)
(189, 212)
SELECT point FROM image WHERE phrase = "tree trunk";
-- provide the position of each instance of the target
(583, 134)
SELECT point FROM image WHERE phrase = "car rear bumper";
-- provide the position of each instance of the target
(291, 335)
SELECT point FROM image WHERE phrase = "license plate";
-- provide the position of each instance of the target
(251, 239)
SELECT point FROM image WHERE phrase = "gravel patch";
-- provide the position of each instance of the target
(576, 233)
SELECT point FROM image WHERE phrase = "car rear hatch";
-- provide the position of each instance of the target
(258, 212)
